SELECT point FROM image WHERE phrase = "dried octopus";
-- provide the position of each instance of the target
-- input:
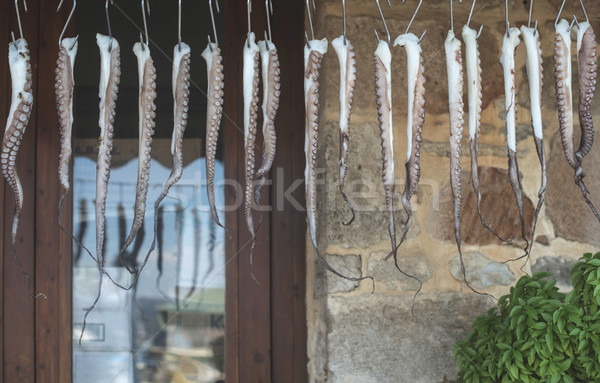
(250, 80)
(383, 92)
(588, 61)
(531, 38)
(271, 92)
(345, 53)
(146, 112)
(509, 46)
(473, 64)
(16, 124)
(415, 120)
(454, 69)
(586, 54)
(181, 97)
(214, 112)
(110, 73)
(313, 54)
(63, 88)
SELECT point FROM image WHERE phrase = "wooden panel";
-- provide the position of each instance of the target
(4, 97)
(232, 117)
(19, 311)
(249, 322)
(288, 230)
(53, 324)
(255, 306)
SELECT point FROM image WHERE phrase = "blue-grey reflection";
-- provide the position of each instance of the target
(140, 328)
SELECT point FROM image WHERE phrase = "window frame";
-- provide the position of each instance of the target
(266, 323)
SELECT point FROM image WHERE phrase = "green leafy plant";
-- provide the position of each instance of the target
(538, 334)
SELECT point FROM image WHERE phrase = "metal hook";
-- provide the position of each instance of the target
(212, 17)
(344, 14)
(415, 14)
(19, 15)
(471, 12)
(387, 31)
(268, 6)
(559, 12)
(68, 20)
(145, 24)
(506, 17)
(312, 32)
(179, 27)
(108, 23)
(451, 17)
(584, 12)
(575, 21)
(249, 6)
(530, 10)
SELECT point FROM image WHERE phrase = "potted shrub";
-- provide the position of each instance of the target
(538, 334)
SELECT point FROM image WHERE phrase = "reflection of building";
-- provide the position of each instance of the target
(171, 325)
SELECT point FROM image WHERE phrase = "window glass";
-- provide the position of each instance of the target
(170, 327)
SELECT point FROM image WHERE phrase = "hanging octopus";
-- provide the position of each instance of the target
(214, 112)
(564, 96)
(271, 92)
(345, 53)
(473, 64)
(63, 88)
(313, 54)
(531, 38)
(415, 120)
(146, 112)
(509, 46)
(383, 92)
(16, 124)
(250, 82)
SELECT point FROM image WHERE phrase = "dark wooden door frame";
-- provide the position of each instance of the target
(266, 323)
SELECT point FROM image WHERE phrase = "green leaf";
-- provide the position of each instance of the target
(555, 378)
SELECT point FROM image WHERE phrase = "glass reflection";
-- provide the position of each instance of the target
(172, 323)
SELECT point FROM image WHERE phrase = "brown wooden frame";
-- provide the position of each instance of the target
(266, 323)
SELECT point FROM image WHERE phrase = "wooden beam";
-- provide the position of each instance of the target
(288, 224)
(52, 247)
(19, 311)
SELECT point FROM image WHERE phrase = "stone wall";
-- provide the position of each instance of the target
(359, 336)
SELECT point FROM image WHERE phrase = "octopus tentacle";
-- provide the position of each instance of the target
(181, 94)
(415, 120)
(271, 93)
(313, 54)
(564, 97)
(531, 37)
(383, 92)
(16, 124)
(473, 64)
(251, 80)
(110, 73)
(147, 108)
(509, 45)
(63, 88)
(454, 69)
(564, 100)
(345, 53)
(214, 112)
(588, 61)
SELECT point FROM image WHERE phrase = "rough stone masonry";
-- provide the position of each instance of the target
(359, 336)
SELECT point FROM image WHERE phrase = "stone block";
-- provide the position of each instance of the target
(560, 267)
(570, 215)
(375, 338)
(498, 207)
(347, 265)
(482, 272)
(386, 272)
